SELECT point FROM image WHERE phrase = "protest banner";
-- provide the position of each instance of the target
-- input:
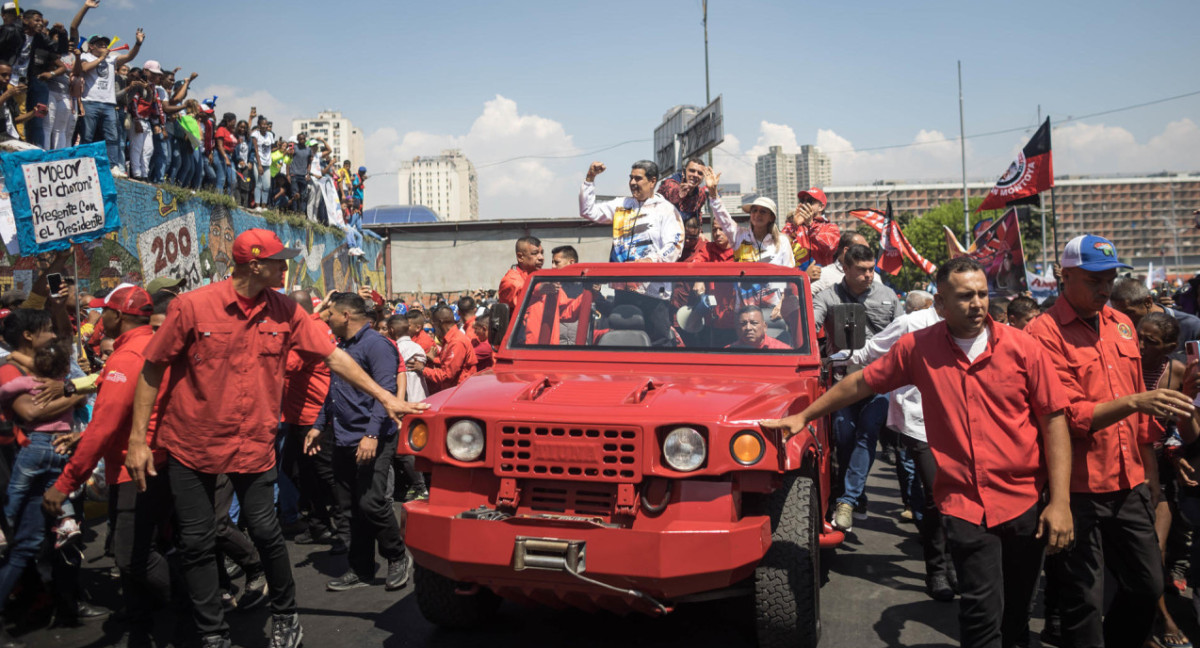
(1000, 252)
(1041, 286)
(60, 197)
(170, 249)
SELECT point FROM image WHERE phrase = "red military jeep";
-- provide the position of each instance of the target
(612, 458)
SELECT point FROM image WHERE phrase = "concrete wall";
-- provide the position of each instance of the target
(445, 259)
(163, 235)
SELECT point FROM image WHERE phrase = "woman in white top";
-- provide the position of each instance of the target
(762, 241)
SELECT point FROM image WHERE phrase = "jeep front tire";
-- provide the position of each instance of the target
(441, 603)
(787, 589)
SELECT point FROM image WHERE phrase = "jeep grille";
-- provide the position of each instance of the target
(571, 499)
(550, 451)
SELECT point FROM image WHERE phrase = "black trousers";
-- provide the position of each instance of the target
(998, 569)
(362, 489)
(1114, 530)
(316, 483)
(145, 574)
(933, 535)
(231, 542)
(193, 494)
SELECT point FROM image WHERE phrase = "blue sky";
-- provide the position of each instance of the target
(503, 79)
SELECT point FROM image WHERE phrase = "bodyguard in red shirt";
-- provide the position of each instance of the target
(994, 418)
(456, 362)
(1114, 481)
(530, 259)
(226, 345)
(146, 578)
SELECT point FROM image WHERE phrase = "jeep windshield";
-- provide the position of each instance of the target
(759, 315)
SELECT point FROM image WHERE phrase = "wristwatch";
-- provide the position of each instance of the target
(371, 436)
(68, 388)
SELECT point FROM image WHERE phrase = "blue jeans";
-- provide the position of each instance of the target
(35, 470)
(856, 433)
(262, 188)
(222, 173)
(161, 159)
(208, 172)
(39, 93)
(287, 496)
(100, 125)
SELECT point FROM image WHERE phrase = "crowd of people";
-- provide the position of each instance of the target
(1028, 438)
(60, 89)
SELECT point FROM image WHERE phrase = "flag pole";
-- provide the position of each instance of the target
(962, 141)
(1054, 219)
(78, 321)
(1042, 211)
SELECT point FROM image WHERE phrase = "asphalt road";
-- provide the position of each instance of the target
(874, 596)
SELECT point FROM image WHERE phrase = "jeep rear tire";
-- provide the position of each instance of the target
(442, 605)
(787, 589)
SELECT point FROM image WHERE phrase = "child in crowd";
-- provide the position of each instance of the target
(42, 457)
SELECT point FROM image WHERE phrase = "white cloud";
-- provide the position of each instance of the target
(529, 187)
(1095, 148)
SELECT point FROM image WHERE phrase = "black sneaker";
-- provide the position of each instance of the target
(7, 640)
(307, 538)
(348, 581)
(397, 572)
(286, 631)
(1052, 632)
(215, 641)
(255, 592)
(232, 569)
(938, 588)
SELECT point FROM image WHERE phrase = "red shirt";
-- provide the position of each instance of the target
(454, 364)
(423, 340)
(819, 239)
(1097, 368)
(227, 365)
(8, 371)
(980, 417)
(512, 287)
(227, 138)
(768, 342)
(483, 355)
(305, 385)
(107, 435)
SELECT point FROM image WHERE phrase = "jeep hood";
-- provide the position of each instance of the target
(570, 396)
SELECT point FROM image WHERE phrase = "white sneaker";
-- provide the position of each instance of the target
(118, 172)
(66, 532)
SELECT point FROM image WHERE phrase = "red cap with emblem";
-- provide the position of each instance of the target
(816, 194)
(130, 300)
(260, 244)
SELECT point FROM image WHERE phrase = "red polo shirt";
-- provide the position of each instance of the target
(107, 435)
(512, 287)
(980, 417)
(423, 340)
(1097, 367)
(767, 342)
(227, 364)
(305, 385)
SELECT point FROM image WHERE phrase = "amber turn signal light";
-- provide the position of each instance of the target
(418, 435)
(747, 447)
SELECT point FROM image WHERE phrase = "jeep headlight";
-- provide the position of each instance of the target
(464, 440)
(684, 449)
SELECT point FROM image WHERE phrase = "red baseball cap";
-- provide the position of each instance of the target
(815, 194)
(260, 244)
(130, 300)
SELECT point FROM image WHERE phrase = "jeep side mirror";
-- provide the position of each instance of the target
(848, 326)
(498, 324)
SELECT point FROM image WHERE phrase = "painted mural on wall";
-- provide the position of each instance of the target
(162, 235)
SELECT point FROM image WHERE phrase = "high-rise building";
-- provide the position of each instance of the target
(344, 139)
(775, 175)
(813, 168)
(445, 183)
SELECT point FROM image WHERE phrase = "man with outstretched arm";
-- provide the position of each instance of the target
(983, 385)
(226, 345)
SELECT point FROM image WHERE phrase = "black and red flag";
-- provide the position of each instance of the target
(1030, 174)
(895, 246)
